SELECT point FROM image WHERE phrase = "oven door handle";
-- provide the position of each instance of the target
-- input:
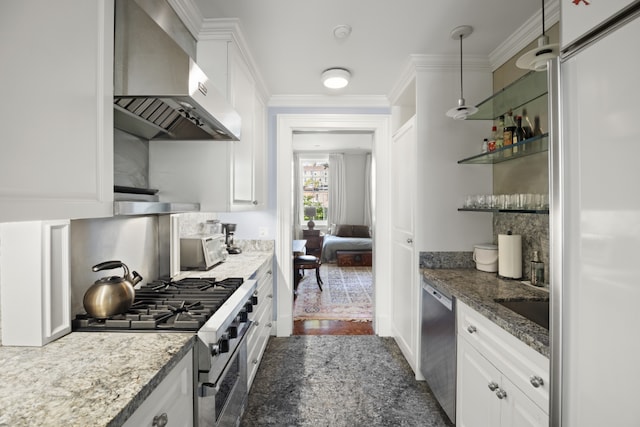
(210, 389)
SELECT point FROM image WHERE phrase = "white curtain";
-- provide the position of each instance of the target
(337, 193)
(367, 190)
(297, 197)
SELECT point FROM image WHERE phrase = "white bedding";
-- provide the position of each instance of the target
(332, 244)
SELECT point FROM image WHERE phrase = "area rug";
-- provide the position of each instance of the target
(347, 295)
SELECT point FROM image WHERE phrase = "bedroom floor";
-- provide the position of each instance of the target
(331, 327)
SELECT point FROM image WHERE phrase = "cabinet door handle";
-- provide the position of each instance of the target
(536, 381)
(471, 329)
(409, 240)
(501, 393)
(160, 420)
(254, 361)
(255, 203)
(493, 386)
(256, 323)
(270, 296)
(269, 325)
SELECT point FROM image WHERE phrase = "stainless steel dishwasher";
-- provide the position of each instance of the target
(438, 346)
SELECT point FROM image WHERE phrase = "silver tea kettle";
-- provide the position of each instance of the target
(111, 295)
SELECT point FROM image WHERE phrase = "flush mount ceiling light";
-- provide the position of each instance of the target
(461, 111)
(335, 78)
(536, 59)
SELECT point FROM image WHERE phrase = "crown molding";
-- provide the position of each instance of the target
(189, 13)
(350, 101)
(418, 63)
(528, 32)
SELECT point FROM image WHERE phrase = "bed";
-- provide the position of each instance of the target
(346, 238)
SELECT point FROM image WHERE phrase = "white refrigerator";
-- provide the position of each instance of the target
(595, 229)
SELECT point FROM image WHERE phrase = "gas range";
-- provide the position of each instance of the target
(168, 305)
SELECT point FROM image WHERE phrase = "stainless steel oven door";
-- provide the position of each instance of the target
(221, 403)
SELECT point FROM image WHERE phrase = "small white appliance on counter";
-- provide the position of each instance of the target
(510, 255)
(485, 256)
(202, 252)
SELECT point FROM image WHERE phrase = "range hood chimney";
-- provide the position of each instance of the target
(159, 90)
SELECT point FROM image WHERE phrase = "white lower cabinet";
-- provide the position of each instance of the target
(500, 381)
(262, 318)
(171, 403)
(34, 268)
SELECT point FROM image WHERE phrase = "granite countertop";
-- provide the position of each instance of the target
(479, 290)
(85, 378)
(88, 379)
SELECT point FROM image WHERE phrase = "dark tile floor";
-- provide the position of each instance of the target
(338, 381)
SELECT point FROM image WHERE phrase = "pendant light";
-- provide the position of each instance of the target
(536, 59)
(461, 111)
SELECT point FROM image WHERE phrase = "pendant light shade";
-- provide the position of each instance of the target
(462, 111)
(536, 59)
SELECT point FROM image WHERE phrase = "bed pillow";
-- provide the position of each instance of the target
(360, 231)
(342, 230)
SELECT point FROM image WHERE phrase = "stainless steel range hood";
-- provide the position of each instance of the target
(159, 91)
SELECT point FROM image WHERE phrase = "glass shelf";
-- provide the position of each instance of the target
(526, 89)
(528, 211)
(537, 144)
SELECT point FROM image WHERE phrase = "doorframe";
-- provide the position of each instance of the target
(379, 126)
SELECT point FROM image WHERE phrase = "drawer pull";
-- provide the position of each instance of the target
(270, 296)
(471, 329)
(501, 393)
(256, 323)
(493, 386)
(160, 420)
(269, 325)
(254, 361)
(536, 381)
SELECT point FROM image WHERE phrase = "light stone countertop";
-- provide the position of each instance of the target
(88, 379)
(478, 290)
(85, 379)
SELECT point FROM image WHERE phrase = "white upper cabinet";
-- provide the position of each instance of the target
(221, 176)
(57, 118)
(580, 16)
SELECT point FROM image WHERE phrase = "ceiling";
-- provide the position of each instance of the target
(292, 41)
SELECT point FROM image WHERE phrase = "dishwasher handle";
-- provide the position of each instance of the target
(438, 296)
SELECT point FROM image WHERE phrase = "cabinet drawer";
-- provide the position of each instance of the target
(512, 357)
(260, 336)
(172, 400)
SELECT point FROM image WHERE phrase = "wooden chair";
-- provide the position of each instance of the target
(308, 262)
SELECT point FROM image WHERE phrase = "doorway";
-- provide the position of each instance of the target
(378, 127)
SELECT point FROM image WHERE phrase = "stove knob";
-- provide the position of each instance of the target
(248, 307)
(232, 331)
(243, 316)
(222, 346)
(254, 300)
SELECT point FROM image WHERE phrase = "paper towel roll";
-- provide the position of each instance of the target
(510, 255)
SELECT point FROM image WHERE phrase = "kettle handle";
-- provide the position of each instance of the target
(109, 265)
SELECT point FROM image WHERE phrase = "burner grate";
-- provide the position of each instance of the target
(183, 305)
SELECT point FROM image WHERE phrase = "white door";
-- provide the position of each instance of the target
(404, 270)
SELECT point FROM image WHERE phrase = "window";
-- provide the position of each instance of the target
(315, 189)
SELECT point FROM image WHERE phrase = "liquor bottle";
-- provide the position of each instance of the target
(500, 134)
(493, 141)
(537, 270)
(536, 126)
(509, 132)
(526, 124)
(520, 134)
